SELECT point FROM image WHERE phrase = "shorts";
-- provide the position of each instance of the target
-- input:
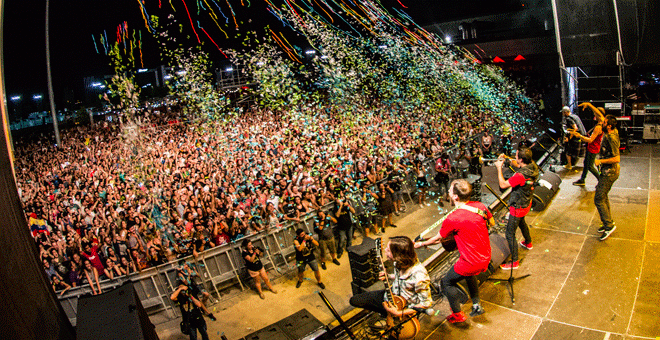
(396, 195)
(572, 149)
(312, 264)
(366, 221)
(257, 273)
(422, 182)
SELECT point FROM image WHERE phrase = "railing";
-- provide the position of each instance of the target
(222, 266)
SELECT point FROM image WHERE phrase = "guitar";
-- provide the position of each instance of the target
(407, 326)
(448, 242)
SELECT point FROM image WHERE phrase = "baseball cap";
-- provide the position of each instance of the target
(565, 108)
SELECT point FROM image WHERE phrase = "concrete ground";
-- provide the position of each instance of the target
(579, 288)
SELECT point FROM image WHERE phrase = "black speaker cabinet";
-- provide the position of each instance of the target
(117, 314)
(272, 332)
(364, 263)
(545, 190)
(357, 289)
(499, 249)
(364, 252)
(300, 325)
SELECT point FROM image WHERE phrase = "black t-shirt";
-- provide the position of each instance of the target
(343, 217)
(395, 178)
(325, 233)
(609, 147)
(190, 313)
(255, 265)
(289, 210)
(307, 253)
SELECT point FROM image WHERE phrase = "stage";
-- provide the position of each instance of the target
(579, 288)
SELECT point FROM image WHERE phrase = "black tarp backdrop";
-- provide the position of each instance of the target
(589, 35)
(28, 305)
(29, 308)
(587, 31)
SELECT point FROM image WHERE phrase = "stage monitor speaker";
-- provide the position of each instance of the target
(364, 252)
(363, 261)
(357, 288)
(117, 314)
(300, 325)
(499, 249)
(272, 332)
(545, 190)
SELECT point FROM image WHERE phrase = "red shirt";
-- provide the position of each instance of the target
(93, 257)
(471, 235)
(518, 180)
(594, 146)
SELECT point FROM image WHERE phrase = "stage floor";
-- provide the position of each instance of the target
(579, 288)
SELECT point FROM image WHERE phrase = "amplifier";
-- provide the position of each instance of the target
(364, 252)
(363, 275)
(365, 282)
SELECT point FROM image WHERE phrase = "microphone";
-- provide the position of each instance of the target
(427, 311)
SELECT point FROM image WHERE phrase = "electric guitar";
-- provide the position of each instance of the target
(401, 328)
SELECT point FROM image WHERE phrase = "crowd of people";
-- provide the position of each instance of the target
(103, 205)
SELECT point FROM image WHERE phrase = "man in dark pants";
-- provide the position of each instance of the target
(469, 225)
(520, 201)
(609, 173)
(305, 245)
(190, 312)
(593, 143)
(342, 213)
(571, 122)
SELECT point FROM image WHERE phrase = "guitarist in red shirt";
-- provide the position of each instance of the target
(468, 224)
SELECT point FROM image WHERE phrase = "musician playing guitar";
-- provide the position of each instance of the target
(468, 224)
(410, 287)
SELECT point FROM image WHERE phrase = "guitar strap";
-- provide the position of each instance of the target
(474, 210)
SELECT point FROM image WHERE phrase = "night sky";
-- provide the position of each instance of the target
(73, 22)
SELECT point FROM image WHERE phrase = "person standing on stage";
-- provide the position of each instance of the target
(593, 143)
(609, 173)
(191, 312)
(305, 244)
(410, 280)
(469, 224)
(571, 122)
(252, 257)
(520, 201)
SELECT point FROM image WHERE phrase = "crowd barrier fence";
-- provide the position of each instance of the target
(221, 267)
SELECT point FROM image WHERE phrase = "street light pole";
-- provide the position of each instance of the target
(50, 79)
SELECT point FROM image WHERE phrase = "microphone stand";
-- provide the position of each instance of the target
(511, 279)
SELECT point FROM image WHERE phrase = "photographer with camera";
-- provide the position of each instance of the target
(342, 212)
(191, 313)
(305, 244)
(252, 257)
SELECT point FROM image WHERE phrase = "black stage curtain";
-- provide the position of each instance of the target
(29, 308)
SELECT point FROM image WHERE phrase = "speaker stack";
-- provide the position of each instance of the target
(364, 265)
(299, 326)
(545, 190)
(116, 314)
